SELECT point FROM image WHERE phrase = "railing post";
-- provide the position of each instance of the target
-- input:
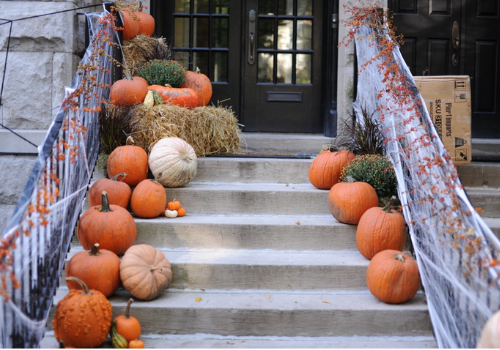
(117, 50)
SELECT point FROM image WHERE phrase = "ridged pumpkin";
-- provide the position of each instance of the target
(182, 97)
(490, 334)
(129, 159)
(325, 169)
(98, 268)
(112, 226)
(145, 272)
(127, 325)
(201, 84)
(128, 91)
(146, 23)
(118, 192)
(149, 199)
(392, 276)
(82, 318)
(173, 162)
(130, 25)
(380, 229)
(348, 201)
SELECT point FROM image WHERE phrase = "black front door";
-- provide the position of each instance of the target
(265, 58)
(456, 37)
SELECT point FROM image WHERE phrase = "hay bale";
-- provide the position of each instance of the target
(209, 130)
(142, 48)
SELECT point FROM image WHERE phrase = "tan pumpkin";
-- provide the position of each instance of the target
(325, 169)
(145, 272)
(129, 159)
(348, 201)
(392, 276)
(490, 334)
(380, 229)
(118, 192)
(149, 199)
(173, 162)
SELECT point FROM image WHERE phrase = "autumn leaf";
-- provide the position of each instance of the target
(197, 299)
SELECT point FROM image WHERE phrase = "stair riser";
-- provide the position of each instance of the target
(172, 233)
(489, 203)
(480, 174)
(284, 323)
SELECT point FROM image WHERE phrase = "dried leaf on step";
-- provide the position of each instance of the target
(326, 302)
(197, 299)
(297, 223)
(268, 296)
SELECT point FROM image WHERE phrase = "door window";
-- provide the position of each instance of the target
(201, 31)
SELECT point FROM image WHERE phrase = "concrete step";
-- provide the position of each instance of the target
(308, 144)
(267, 313)
(214, 341)
(271, 270)
(276, 232)
(486, 198)
(480, 174)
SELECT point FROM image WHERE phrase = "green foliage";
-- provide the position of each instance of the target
(376, 170)
(163, 72)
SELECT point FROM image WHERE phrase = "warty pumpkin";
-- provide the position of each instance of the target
(112, 226)
(128, 91)
(380, 229)
(348, 201)
(325, 169)
(173, 162)
(149, 199)
(182, 97)
(118, 192)
(127, 325)
(98, 268)
(201, 84)
(82, 318)
(129, 159)
(145, 272)
(392, 276)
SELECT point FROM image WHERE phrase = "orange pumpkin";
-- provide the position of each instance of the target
(136, 344)
(348, 201)
(392, 276)
(98, 268)
(200, 84)
(118, 191)
(380, 229)
(146, 23)
(128, 91)
(82, 318)
(112, 226)
(130, 25)
(183, 97)
(149, 199)
(129, 159)
(128, 326)
(325, 169)
(181, 212)
(173, 205)
(145, 272)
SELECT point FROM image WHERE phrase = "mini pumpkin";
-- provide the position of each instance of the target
(128, 326)
(145, 272)
(128, 91)
(82, 318)
(182, 97)
(348, 201)
(149, 199)
(181, 212)
(173, 205)
(98, 268)
(325, 169)
(380, 229)
(118, 192)
(112, 226)
(136, 344)
(129, 159)
(392, 276)
(201, 84)
(173, 162)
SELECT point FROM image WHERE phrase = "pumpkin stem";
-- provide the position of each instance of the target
(198, 71)
(105, 203)
(128, 76)
(399, 257)
(115, 178)
(389, 204)
(130, 141)
(350, 179)
(95, 250)
(127, 309)
(154, 268)
(81, 283)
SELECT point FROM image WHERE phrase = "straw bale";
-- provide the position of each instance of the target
(142, 48)
(209, 130)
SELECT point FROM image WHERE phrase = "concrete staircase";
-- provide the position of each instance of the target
(271, 265)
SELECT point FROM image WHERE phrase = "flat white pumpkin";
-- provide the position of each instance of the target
(490, 334)
(173, 162)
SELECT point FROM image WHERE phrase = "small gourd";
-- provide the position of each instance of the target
(153, 98)
(171, 213)
(118, 341)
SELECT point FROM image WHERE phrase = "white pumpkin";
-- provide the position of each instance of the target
(490, 335)
(173, 162)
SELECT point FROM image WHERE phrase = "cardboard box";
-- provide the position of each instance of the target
(448, 100)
